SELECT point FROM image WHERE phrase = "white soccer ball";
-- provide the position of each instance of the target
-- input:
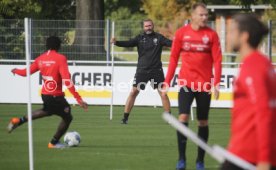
(72, 138)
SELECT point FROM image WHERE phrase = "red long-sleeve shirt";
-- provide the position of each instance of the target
(54, 70)
(200, 51)
(253, 131)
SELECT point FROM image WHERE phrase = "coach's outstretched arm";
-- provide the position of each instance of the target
(130, 43)
(65, 75)
(165, 41)
(23, 72)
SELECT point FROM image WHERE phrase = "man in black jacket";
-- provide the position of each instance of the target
(149, 67)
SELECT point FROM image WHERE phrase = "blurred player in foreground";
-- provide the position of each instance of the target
(253, 126)
(149, 67)
(54, 70)
(199, 48)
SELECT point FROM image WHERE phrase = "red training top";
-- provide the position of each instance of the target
(199, 51)
(253, 128)
(54, 70)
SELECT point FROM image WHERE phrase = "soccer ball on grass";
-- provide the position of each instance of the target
(72, 139)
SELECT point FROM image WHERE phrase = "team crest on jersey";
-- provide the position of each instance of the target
(187, 46)
(155, 41)
(205, 39)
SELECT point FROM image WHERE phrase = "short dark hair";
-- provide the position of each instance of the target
(198, 4)
(146, 20)
(53, 43)
(253, 26)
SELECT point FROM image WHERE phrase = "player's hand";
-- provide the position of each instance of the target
(113, 40)
(215, 91)
(83, 104)
(13, 71)
(164, 90)
(263, 166)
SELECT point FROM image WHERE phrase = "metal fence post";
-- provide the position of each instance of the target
(269, 40)
(112, 73)
(107, 41)
(31, 37)
(223, 33)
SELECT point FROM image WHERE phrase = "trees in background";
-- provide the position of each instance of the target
(123, 9)
(12, 31)
(114, 9)
(89, 31)
(168, 14)
(253, 2)
(42, 9)
(172, 13)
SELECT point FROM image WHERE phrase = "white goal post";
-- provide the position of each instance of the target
(27, 29)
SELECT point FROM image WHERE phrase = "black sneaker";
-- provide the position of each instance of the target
(124, 121)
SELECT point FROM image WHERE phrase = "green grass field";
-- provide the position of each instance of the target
(146, 143)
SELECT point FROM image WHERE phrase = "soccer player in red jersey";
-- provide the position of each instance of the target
(54, 70)
(253, 126)
(199, 48)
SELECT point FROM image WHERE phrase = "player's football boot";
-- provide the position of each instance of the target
(14, 123)
(56, 146)
(200, 166)
(124, 121)
(181, 165)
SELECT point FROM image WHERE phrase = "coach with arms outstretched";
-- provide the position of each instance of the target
(149, 67)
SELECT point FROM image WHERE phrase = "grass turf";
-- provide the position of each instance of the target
(146, 143)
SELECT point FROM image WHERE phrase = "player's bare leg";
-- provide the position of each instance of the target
(130, 103)
(165, 101)
(61, 130)
(15, 122)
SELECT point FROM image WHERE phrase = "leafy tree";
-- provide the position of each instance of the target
(90, 28)
(168, 14)
(42, 9)
(12, 13)
(166, 10)
(113, 6)
(253, 2)
(12, 10)
(57, 9)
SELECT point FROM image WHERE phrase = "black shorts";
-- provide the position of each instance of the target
(56, 105)
(156, 78)
(230, 166)
(203, 100)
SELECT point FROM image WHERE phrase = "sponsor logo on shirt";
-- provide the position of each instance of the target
(187, 37)
(200, 45)
(46, 63)
(187, 46)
